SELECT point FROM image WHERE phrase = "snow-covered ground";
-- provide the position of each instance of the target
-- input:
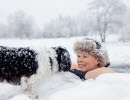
(118, 52)
(66, 86)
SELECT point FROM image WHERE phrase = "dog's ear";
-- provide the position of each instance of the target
(63, 58)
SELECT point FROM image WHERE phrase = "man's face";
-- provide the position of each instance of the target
(86, 62)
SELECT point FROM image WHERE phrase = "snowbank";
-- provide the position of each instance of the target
(67, 86)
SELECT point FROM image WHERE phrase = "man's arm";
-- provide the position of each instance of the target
(96, 72)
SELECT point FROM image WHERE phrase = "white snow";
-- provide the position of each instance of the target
(67, 86)
(105, 87)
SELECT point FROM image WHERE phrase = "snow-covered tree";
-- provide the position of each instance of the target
(20, 25)
(107, 14)
(60, 27)
(3, 31)
(125, 30)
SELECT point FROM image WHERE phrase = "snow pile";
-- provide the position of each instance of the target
(67, 86)
(106, 87)
(8, 91)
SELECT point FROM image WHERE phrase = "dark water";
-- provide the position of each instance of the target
(121, 68)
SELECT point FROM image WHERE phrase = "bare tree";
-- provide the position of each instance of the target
(3, 31)
(108, 14)
(60, 27)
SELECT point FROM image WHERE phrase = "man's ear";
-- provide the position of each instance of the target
(98, 63)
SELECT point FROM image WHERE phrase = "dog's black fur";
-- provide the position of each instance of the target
(63, 58)
(18, 62)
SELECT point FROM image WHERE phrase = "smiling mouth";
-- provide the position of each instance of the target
(81, 66)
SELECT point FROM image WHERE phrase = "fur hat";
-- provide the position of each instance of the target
(93, 48)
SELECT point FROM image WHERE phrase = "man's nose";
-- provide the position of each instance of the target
(80, 59)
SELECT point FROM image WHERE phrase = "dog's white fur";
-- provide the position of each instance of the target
(44, 70)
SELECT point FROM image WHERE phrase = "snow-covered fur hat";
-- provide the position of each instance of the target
(93, 48)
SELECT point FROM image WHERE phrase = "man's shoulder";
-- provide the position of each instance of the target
(104, 70)
(74, 66)
(96, 72)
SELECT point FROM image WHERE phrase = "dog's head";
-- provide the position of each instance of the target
(63, 58)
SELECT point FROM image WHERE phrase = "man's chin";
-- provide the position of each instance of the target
(81, 69)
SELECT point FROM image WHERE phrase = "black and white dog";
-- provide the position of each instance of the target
(25, 66)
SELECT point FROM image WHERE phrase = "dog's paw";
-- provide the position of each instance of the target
(34, 97)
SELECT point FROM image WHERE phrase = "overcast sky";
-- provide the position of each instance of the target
(42, 10)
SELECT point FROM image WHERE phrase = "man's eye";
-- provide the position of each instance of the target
(85, 56)
(78, 56)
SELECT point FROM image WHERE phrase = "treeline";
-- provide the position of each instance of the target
(101, 17)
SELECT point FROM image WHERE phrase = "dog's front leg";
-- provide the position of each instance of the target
(28, 86)
(24, 83)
